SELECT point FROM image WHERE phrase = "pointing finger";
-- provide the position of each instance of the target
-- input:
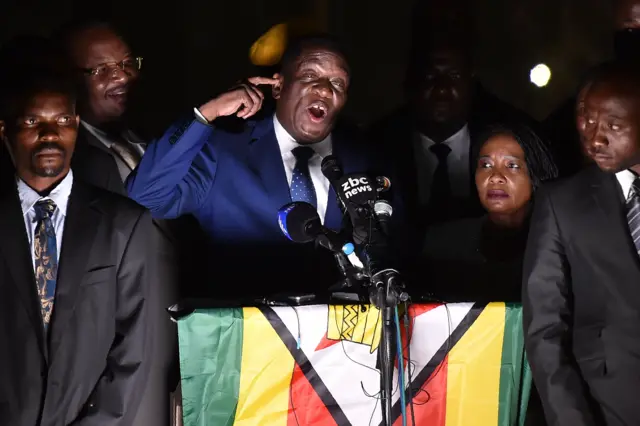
(263, 80)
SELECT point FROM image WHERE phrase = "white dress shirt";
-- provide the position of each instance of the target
(457, 164)
(127, 136)
(626, 178)
(322, 149)
(59, 195)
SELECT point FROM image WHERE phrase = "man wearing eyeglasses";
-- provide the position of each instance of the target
(106, 70)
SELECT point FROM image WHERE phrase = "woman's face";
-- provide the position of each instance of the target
(502, 177)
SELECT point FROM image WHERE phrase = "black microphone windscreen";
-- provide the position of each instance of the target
(331, 168)
(299, 222)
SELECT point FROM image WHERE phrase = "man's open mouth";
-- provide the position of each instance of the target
(318, 111)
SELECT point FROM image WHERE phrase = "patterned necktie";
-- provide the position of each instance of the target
(633, 213)
(301, 184)
(127, 153)
(45, 253)
(440, 186)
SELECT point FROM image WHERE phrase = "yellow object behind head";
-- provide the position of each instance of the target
(269, 48)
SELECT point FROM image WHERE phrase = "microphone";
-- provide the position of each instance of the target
(353, 188)
(355, 192)
(332, 170)
(300, 223)
(383, 184)
(383, 212)
(377, 253)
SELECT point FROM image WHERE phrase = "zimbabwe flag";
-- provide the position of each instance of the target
(316, 365)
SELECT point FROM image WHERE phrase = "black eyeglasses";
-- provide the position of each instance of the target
(130, 66)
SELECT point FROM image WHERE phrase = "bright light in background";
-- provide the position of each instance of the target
(540, 75)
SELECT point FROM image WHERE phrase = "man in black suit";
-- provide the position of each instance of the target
(74, 332)
(107, 73)
(581, 293)
(431, 139)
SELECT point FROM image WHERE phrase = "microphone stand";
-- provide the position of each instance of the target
(351, 275)
(386, 293)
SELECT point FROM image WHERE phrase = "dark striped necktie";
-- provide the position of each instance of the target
(633, 213)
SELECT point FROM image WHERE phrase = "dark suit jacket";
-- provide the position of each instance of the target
(394, 136)
(96, 166)
(470, 260)
(93, 368)
(93, 162)
(581, 300)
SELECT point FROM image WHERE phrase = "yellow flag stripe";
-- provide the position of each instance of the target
(474, 369)
(265, 374)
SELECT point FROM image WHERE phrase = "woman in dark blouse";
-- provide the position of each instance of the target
(480, 259)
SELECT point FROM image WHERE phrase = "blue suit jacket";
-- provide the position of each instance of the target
(234, 183)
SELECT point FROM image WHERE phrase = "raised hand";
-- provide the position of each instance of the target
(243, 100)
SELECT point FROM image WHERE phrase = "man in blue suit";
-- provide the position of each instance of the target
(234, 182)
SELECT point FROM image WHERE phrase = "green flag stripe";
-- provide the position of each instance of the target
(514, 387)
(210, 376)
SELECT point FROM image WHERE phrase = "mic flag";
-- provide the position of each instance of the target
(356, 188)
(357, 194)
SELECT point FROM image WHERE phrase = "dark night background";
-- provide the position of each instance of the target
(192, 49)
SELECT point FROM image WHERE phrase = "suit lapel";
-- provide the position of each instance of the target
(14, 248)
(333, 215)
(617, 239)
(80, 227)
(265, 161)
(85, 136)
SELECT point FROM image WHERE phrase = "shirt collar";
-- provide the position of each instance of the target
(103, 137)
(458, 142)
(60, 194)
(626, 178)
(287, 143)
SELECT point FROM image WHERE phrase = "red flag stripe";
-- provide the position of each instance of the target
(430, 402)
(305, 406)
